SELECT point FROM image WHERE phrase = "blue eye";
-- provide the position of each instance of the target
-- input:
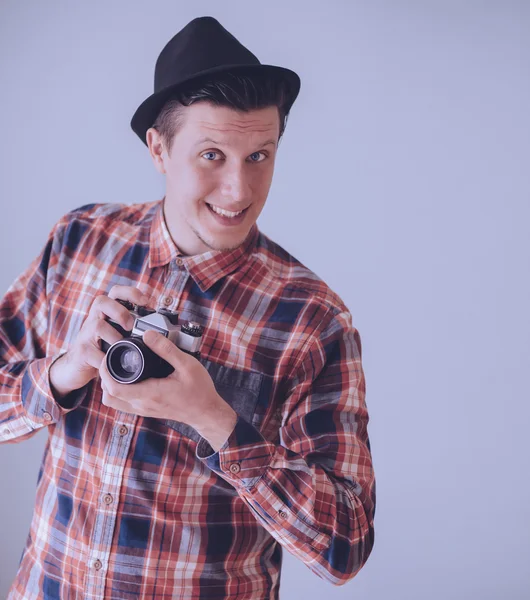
(256, 154)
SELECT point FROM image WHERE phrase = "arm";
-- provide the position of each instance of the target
(315, 491)
(27, 402)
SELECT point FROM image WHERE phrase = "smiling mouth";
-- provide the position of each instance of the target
(225, 213)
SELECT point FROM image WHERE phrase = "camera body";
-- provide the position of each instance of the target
(130, 360)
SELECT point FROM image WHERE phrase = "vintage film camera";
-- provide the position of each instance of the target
(130, 360)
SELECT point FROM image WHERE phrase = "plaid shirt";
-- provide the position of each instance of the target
(133, 507)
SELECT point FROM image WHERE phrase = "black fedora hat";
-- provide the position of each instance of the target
(203, 47)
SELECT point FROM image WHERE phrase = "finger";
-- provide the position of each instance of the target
(106, 379)
(103, 306)
(115, 403)
(121, 391)
(127, 292)
(164, 348)
(92, 355)
(102, 330)
(148, 388)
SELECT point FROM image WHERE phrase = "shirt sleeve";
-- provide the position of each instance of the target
(315, 490)
(27, 403)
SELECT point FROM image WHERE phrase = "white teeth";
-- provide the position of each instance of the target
(225, 213)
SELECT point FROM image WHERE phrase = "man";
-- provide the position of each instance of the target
(189, 486)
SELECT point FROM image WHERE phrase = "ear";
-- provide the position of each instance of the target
(157, 149)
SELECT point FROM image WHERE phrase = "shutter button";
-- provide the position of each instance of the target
(235, 468)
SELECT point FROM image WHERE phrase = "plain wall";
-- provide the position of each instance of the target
(403, 180)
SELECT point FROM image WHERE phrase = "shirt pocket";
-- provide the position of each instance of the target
(240, 389)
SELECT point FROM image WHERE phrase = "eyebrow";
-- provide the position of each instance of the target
(206, 139)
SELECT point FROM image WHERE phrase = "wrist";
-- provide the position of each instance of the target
(220, 423)
(58, 385)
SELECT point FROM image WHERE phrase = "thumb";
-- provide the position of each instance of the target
(160, 345)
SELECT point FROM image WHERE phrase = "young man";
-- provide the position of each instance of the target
(190, 485)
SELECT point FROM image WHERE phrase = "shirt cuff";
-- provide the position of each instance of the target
(244, 457)
(41, 407)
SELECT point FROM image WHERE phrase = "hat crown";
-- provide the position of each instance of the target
(203, 48)
(201, 45)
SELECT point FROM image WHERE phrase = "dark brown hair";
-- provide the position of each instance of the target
(243, 92)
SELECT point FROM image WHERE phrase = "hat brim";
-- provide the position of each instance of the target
(147, 112)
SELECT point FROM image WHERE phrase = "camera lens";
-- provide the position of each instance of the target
(130, 361)
(125, 361)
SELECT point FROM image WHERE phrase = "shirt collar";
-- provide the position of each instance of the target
(206, 268)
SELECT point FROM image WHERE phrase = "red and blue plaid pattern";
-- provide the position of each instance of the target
(133, 507)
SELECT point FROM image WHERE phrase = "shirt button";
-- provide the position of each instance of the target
(107, 498)
(235, 468)
(282, 514)
(97, 565)
(180, 262)
(168, 300)
(46, 416)
(122, 430)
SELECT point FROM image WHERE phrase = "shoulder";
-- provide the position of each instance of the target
(117, 213)
(104, 219)
(295, 278)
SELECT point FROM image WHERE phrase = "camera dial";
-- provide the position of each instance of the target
(192, 328)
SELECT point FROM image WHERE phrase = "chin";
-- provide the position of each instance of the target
(228, 242)
(228, 245)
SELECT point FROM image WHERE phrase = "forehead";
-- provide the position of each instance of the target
(204, 119)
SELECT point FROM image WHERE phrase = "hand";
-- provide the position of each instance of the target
(81, 362)
(187, 395)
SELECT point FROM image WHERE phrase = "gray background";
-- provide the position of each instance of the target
(403, 180)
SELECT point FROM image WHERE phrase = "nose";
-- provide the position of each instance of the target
(235, 186)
